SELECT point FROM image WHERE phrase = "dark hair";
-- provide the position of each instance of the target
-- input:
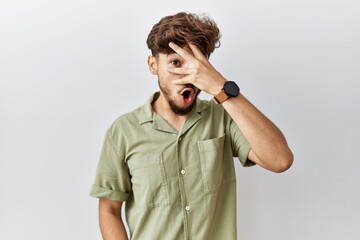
(183, 28)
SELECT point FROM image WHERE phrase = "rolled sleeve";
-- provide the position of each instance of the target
(240, 145)
(100, 192)
(112, 179)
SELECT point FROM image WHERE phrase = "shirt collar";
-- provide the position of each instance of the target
(147, 113)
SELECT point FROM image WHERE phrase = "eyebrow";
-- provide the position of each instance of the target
(173, 55)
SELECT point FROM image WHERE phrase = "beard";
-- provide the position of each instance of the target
(181, 111)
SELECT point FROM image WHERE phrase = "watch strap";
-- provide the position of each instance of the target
(221, 97)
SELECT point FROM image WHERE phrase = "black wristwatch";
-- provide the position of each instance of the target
(230, 89)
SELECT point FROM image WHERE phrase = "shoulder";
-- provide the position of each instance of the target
(124, 123)
(129, 117)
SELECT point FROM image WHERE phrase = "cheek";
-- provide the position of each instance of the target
(167, 76)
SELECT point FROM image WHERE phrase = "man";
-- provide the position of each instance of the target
(171, 160)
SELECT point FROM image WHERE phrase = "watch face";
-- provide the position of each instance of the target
(231, 89)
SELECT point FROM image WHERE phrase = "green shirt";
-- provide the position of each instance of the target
(176, 185)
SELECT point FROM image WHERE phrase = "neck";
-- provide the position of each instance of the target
(162, 108)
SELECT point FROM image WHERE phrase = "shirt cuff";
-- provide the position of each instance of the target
(244, 158)
(100, 192)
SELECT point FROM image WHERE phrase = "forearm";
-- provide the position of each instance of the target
(112, 226)
(266, 140)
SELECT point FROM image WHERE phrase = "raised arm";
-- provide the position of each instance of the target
(269, 148)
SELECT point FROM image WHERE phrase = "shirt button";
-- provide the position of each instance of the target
(187, 208)
(183, 172)
(179, 139)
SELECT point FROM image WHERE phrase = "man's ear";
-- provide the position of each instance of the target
(152, 65)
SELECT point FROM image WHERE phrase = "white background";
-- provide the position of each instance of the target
(68, 68)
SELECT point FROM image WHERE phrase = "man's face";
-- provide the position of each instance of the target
(181, 98)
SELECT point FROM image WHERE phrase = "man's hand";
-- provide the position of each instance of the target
(197, 70)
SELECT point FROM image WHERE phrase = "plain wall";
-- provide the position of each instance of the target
(69, 68)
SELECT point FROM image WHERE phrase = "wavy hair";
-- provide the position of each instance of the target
(183, 28)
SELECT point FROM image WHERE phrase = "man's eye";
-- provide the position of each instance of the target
(175, 63)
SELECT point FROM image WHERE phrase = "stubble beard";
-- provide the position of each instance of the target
(181, 111)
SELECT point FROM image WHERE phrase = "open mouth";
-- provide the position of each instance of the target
(188, 95)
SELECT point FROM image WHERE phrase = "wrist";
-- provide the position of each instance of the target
(218, 87)
(230, 90)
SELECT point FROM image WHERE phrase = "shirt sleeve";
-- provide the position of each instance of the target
(112, 179)
(240, 145)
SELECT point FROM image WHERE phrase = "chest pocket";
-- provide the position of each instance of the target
(212, 163)
(149, 182)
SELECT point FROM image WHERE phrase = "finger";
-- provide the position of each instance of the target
(182, 52)
(182, 70)
(182, 81)
(197, 53)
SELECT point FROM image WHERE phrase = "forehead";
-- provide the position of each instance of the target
(169, 55)
(170, 52)
(164, 56)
